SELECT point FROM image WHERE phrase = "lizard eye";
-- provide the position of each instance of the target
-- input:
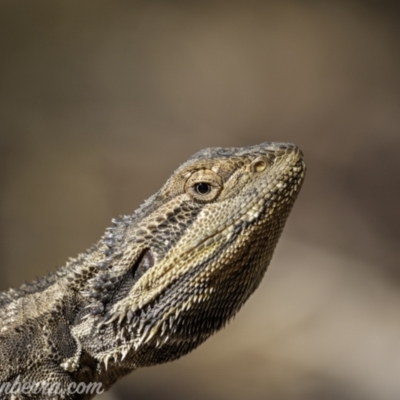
(203, 185)
(202, 188)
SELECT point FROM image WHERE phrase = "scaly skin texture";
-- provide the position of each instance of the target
(160, 281)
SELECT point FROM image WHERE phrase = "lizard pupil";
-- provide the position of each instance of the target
(203, 188)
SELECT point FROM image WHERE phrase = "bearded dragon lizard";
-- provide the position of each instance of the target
(160, 281)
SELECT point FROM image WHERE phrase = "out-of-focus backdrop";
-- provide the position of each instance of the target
(100, 101)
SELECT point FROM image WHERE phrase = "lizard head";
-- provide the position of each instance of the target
(194, 252)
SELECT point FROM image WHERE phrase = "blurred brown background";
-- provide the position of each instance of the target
(100, 101)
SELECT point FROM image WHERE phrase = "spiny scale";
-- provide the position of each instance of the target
(160, 281)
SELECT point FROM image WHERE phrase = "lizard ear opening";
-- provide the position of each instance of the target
(143, 264)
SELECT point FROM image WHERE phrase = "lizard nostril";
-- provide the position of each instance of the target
(259, 164)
